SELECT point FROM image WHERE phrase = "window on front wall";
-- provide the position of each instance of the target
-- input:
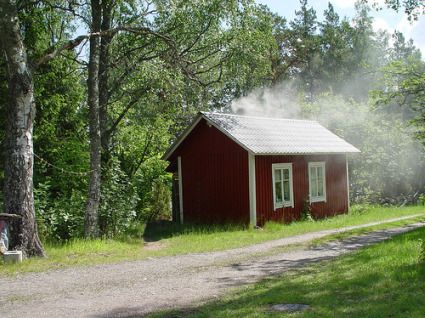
(317, 181)
(282, 185)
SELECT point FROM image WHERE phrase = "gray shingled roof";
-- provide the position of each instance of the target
(279, 136)
(274, 136)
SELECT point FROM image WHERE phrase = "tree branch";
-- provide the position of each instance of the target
(70, 45)
(120, 117)
(148, 141)
(52, 52)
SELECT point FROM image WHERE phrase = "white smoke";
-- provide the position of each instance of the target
(391, 161)
(280, 101)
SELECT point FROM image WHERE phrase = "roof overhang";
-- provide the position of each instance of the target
(201, 116)
(307, 153)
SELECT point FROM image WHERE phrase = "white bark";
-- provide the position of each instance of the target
(19, 158)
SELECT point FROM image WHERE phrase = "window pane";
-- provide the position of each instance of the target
(319, 172)
(312, 171)
(285, 174)
(313, 188)
(286, 195)
(320, 188)
(278, 192)
(313, 174)
(277, 175)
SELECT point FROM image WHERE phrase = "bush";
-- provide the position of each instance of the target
(118, 201)
(306, 211)
(421, 199)
(61, 218)
(160, 206)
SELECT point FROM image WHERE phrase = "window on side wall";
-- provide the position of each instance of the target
(317, 181)
(282, 185)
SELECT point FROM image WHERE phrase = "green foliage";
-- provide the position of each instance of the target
(404, 81)
(306, 211)
(118, 201)
(213, 52)
(160, 207)
(62, 218)
(391, 167)
(421, 199)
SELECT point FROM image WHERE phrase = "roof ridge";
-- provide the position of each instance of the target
(259, 117)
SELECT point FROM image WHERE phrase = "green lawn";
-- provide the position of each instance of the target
(384, 280)
(188, 239)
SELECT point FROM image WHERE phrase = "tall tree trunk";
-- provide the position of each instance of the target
(107, 6)
(93, 201)
(19, 157)
(104, 76)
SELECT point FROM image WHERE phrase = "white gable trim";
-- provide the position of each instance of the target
(228, 135)
(313, 153)
(181, 138)
(195, 122)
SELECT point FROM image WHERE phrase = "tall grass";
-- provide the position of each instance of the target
(173, 239)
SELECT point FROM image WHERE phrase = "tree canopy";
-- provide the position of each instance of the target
(116, 81)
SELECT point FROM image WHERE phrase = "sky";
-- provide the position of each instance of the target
(385, 19)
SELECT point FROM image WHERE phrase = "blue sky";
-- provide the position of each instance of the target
(385, 19)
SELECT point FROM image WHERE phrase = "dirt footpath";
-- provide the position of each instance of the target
(132, 289)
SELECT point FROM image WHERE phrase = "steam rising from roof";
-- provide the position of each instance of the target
(280, 101)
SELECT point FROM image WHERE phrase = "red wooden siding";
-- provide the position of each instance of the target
(215, 177)
(336, 187)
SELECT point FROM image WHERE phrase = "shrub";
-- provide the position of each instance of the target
(306, 211)
(118, 201)
(60, 218)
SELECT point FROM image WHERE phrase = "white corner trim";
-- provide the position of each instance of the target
(289, 203)
(348, 182)
(179, 168)
(321, 198)
(252, 190)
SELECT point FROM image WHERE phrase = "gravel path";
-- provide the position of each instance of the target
(132, 289)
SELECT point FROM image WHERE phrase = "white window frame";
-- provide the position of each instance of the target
(290, 203)
(321, 164)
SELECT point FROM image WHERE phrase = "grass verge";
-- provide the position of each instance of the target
(383, 280)
(189, 239)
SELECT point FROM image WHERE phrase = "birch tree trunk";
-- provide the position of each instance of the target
(93, 201)
(19, 157)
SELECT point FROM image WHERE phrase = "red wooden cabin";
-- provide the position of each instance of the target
(240, 169)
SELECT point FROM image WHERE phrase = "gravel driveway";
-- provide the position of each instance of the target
(132, 289)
